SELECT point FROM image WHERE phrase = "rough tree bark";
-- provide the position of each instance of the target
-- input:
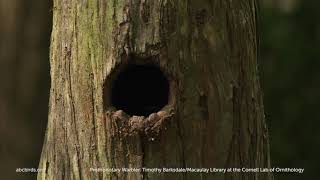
(208, 51)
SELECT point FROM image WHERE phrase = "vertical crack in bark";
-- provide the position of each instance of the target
(63, 172)
(230, 158)
(65, 129)
(182, 145)
(94, 124)
(142, 145)
(73, 113)
(145, 11)
(112, 156)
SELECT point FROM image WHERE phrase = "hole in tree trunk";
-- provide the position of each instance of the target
(139, 90)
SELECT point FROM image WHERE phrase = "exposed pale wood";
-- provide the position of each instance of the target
(207, 48)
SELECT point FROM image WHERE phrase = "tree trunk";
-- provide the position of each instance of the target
(214, 117)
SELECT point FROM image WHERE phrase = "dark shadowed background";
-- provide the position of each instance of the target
(288, 63)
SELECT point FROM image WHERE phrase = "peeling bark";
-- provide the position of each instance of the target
(208, 51)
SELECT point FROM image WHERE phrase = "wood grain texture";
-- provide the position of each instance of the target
(208, 50)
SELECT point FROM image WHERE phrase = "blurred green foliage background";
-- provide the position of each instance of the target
(290, 77)
(289, 61)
